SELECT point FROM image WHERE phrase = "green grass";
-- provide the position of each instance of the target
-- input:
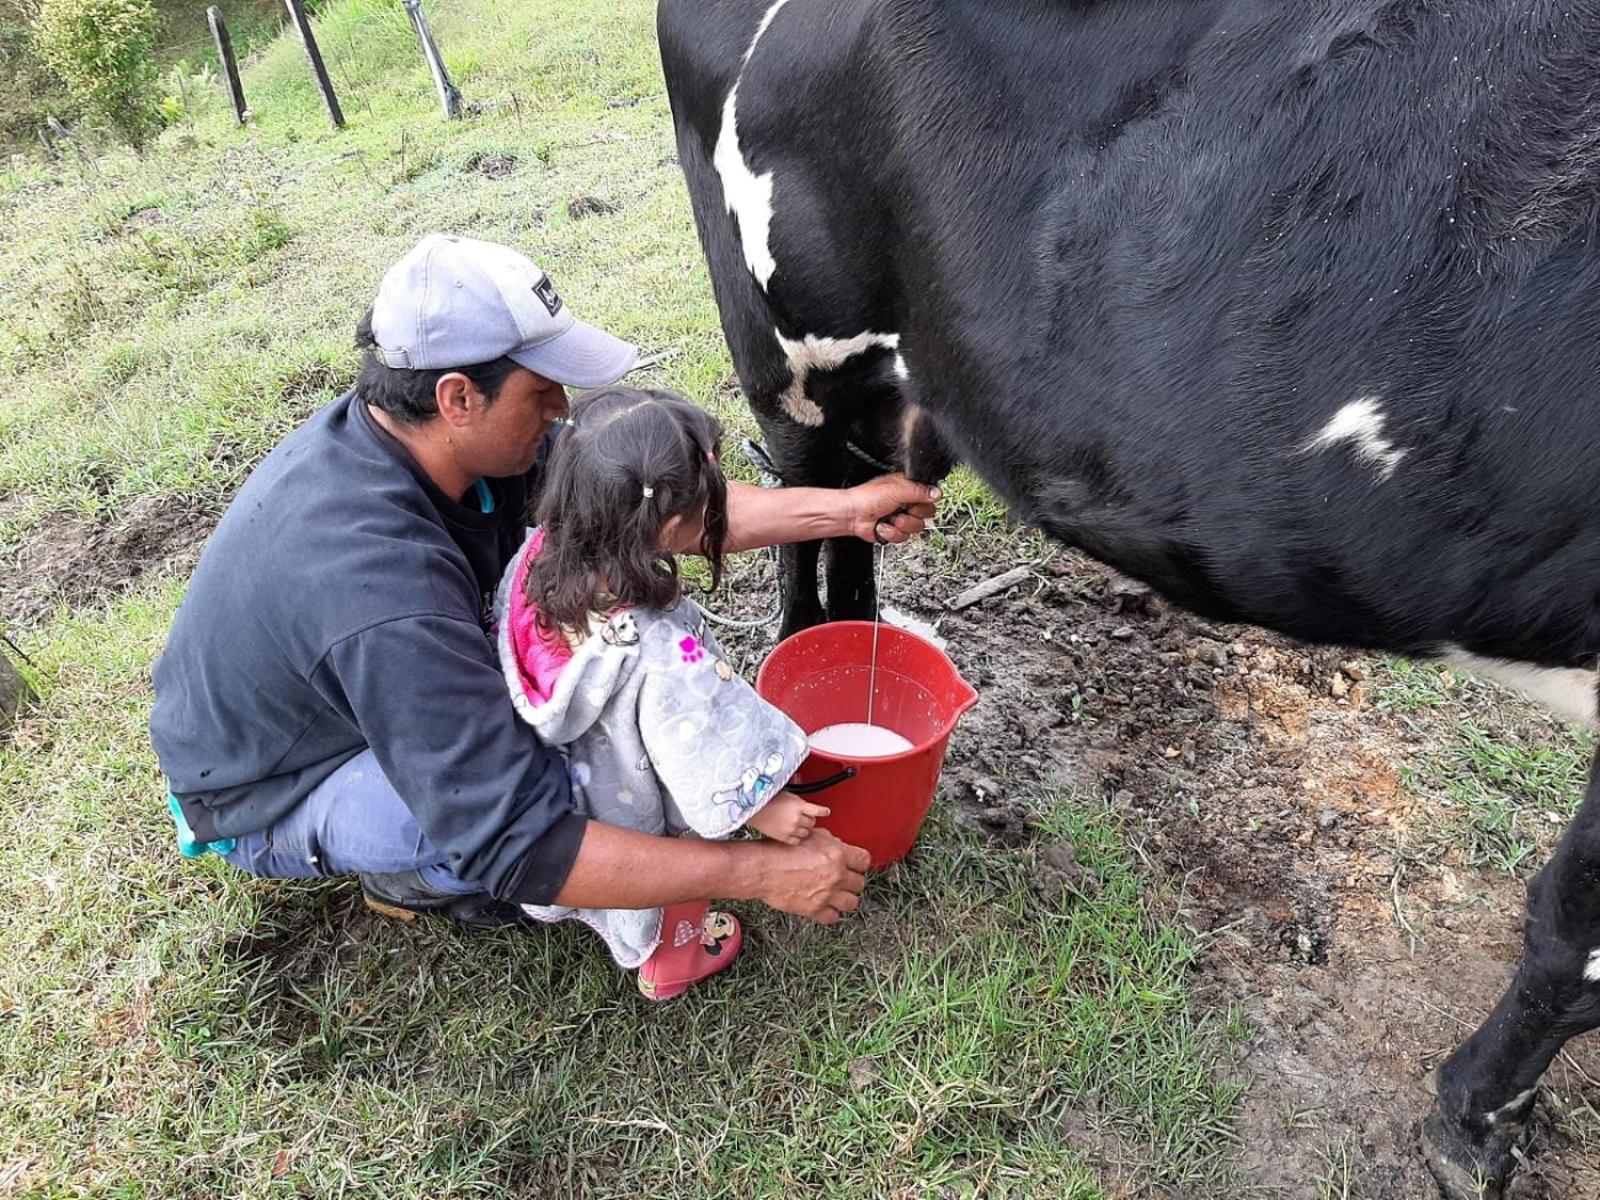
(1509, 779)
(176, 1029)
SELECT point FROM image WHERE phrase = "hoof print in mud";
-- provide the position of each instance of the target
(1305, 943)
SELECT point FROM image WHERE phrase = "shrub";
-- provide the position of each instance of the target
(103, 50)
(28, 90)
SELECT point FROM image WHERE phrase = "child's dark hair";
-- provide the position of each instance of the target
(630, 460)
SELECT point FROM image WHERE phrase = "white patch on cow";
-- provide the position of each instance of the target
(747, 195)
(1511, 1109)
(900, 368)
(812, 353)
(908, 431)
(1592, 972)
(766, 21)
(1361, 424)
(1569, 691)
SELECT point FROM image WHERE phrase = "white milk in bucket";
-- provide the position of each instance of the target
(856, 740)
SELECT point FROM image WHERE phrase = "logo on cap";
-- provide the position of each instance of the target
(546, 291)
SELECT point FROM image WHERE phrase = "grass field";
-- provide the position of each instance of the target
(174, 1029)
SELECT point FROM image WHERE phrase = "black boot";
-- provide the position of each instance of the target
(405, 895)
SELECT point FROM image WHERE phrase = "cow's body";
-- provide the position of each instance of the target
(1291, 310)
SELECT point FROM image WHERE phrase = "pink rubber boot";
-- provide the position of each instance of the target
(697, 941)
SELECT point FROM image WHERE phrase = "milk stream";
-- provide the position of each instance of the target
(858, 739)
(877, 622)
(855, 740)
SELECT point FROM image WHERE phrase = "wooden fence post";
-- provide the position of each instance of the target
(449, 94)
(230, 65)
(62, 136)
(297, 14)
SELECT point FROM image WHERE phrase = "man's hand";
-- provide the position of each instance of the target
(821, 878)
(890, 509)
(623, 868)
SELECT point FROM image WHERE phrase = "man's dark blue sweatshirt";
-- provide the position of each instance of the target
(343, 603)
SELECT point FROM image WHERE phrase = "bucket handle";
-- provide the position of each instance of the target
(822, 785)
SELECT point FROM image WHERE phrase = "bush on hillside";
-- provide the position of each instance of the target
(104, 50)
(28, 90)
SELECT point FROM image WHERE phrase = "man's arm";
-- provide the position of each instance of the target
(889, 509)
(622, 868)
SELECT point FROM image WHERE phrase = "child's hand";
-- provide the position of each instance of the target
(787, 818)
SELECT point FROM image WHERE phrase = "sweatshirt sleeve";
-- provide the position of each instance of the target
(720, 751)
(428, 696)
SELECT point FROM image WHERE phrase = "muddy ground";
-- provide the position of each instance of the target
(1259, 785)
(69, 561)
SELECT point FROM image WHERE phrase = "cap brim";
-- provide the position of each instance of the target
(579, 356)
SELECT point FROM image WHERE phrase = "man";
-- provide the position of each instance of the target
(329, 703)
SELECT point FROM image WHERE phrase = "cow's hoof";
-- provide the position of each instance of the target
(1462, 1170)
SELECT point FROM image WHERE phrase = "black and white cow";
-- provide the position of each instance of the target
(1291, 310)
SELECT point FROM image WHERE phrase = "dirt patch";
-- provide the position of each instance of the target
(591, 206)
(493, 166)
(1258, 783)
(68, 561)
(142, 218)
(1057, 874)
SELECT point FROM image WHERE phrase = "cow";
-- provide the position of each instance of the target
(1291, 310)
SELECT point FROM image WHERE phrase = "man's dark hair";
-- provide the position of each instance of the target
(630, 460)
(408, 395)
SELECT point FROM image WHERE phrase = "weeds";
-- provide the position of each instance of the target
(1514, 779)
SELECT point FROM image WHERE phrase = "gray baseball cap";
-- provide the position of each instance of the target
(455, 302)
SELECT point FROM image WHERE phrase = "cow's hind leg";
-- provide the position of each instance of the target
(852, 586)
(1486, 1088)
(863, 435)
(803, 456)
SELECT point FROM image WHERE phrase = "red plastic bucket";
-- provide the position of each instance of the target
(820, 676)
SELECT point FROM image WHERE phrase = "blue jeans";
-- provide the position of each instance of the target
(354, 823)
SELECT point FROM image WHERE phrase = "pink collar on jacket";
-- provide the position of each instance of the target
(541, 654)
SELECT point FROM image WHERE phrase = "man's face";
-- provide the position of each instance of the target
(506, 437)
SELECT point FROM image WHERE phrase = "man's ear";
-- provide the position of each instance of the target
(458, 398)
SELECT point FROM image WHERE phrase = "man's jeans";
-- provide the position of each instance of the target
(354, 823)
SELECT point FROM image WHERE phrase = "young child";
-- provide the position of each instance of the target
(607, 658)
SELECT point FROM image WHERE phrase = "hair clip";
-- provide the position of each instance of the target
(648, 491)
